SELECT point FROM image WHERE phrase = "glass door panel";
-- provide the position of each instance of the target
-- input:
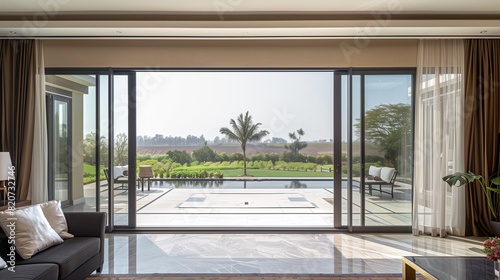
(89, 164)
(377, 119)
(60, 156)
(355, 152)
(387, 156)
(103, 144)
(61, 162)
(344, 91)
(122, 171)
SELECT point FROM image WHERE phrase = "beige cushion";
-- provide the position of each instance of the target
(55, 216)
(386, 173)
(374, 171)
(32, 230)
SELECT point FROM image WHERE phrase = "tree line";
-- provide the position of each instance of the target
(160, 140)
(206, 154)
(190, 140)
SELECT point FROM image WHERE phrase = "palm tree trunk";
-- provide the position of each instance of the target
(244, 162)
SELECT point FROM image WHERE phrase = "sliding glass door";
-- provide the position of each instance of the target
(115, 193)
(88, 120)
(202, 178)
(378, 129)
(124, 183)
(146, 148)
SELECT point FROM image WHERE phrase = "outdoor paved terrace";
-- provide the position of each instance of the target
(297, 203)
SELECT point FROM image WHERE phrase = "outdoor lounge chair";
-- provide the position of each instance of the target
(119, 179)
(381, 177)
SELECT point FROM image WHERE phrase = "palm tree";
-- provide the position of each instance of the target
(244, 130)
(296, 145)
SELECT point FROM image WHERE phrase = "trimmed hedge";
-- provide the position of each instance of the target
(196, 174)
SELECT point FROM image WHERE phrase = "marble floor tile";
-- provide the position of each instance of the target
(325, 253)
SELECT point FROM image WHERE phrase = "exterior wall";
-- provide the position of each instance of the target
(152, 53)
(77, 145)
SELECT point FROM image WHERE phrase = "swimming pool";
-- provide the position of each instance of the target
(247, 184)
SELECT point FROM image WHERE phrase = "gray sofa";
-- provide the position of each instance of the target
(76, 258)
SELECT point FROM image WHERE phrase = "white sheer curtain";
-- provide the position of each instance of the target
(39, 169)
(439, 146)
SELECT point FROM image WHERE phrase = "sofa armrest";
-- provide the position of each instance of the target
(86, 224)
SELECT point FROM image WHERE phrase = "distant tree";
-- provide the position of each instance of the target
(121, 149)
(273, 157)
(181, 157)
(257, 157)
(324, 159)
(224, 157)
(160, 140)
(312, 159)
(104, 151)
(140, 141)
(89, 149)
(63, 149)
(277, 140)
(291, 157)
(243, 131)
(204, 154)
(388, 126)
(296, 144)
(235, 157)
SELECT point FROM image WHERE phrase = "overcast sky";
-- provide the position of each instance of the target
(196, 103)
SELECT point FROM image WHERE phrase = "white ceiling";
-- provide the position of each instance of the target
(37, 19)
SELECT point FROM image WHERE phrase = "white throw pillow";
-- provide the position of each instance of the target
(3, 264)
(55, 216)
(386, 173)
(32, 230)
(120, 171)
(374, 171)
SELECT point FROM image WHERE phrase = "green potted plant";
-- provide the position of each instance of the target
(492, 191)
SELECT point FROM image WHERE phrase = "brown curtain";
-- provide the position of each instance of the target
(17, 107)
(482, 125)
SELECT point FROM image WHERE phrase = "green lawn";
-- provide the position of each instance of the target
(89, 173)
(90, 169)
(274, 173)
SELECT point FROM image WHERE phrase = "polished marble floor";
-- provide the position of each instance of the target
(309, 253)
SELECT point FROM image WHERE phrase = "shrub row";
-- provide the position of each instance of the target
(206, 154)
(295, 166)
(196, 174)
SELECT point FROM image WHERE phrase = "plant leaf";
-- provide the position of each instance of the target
(495, 181)
(460, 178)
(496, 190)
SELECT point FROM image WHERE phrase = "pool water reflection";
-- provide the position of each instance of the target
(245, 184)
